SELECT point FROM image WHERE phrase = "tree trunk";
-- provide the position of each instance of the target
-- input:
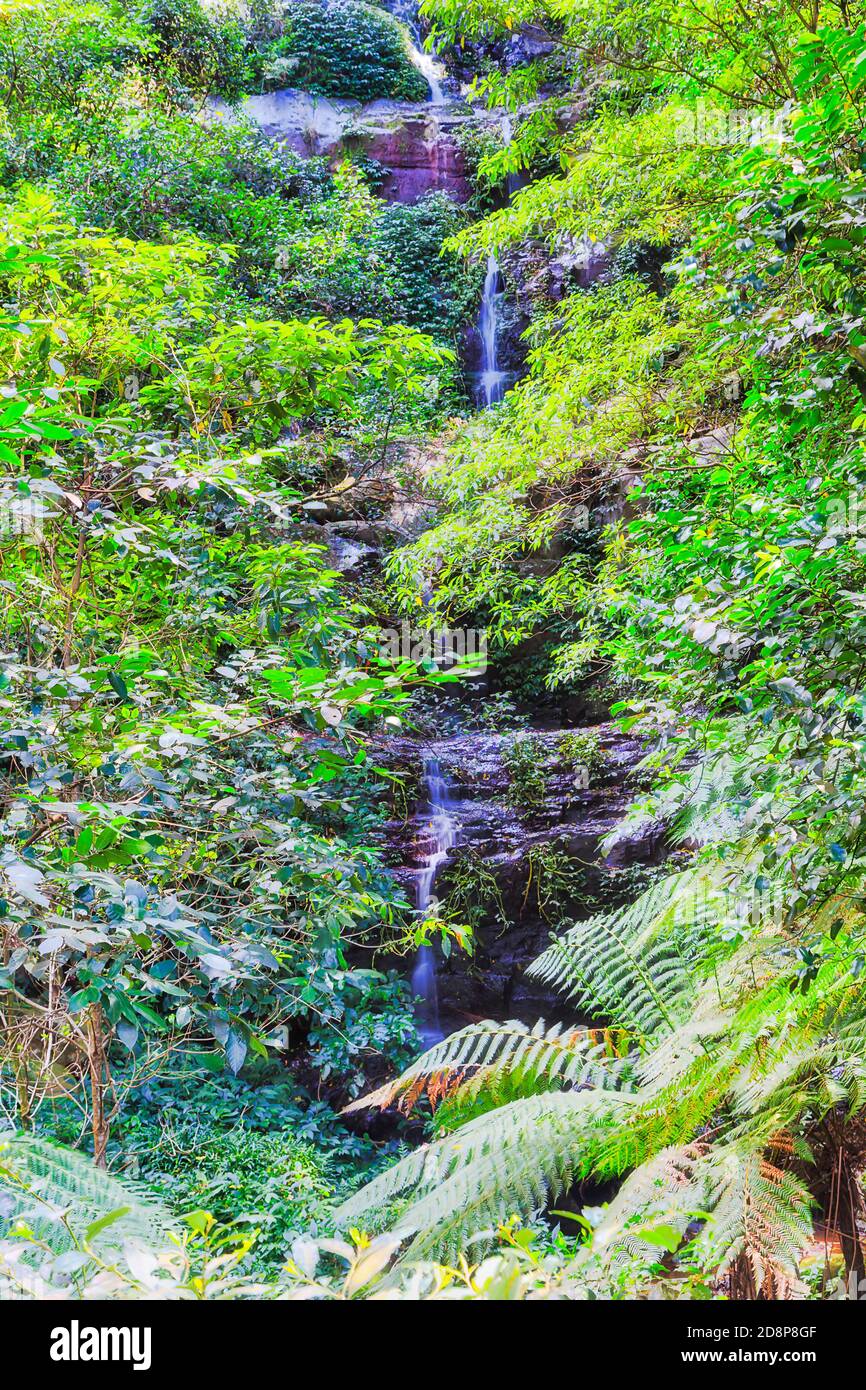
(96, 1064)
(847, 1203)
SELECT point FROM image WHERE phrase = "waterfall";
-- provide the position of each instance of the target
(440, 835)
(492, 379)
(511, 180)
(431, 70)
(427, 64)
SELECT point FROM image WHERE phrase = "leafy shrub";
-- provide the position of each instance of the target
(273, 1183)
(472, 893)
(500, 711)
(50, 53)
(581, 749)
(227, 183)
(553, 881)
(206, 50)
(431, 290)
(480, 141)
(65, 57)
(371, 1017)
(256, 1151)
(349, 49)
(525, 759)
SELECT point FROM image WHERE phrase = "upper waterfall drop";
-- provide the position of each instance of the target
(431, 70)
(429, 66)
(493, 378)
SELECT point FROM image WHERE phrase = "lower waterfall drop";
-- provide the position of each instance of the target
(440, 838)
(492, 379)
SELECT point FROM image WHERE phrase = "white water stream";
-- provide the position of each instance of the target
(493, 379)
(427, 63)
(440, 836)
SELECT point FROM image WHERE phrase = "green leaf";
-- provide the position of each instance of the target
(118, 685)
(104, 1222)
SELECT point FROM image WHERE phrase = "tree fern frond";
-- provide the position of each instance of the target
(760, 1214)
(705, 806)
(712, 801)
(750, 1210)
(731, 1044)
(640, 966)
(676, 1052)
(520, 1158)
(637, 965)
(663, 1191)
(710, 1027)
(482, 1056)
(504, 1161)
(58, 1194)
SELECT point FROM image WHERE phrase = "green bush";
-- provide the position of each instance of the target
(472, 894)
(581, 749)
(349, 49)
(371, 1017)
(257, 1151)
(73, 58)
(273, 1183)
(525, 759)
(206, 51)
(435, 292)
(54, 59)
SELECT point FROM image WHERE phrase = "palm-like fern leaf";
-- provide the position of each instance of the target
(482, 1056)
(59, 1194)
(637, 965)
(749, 1210)
(662, 1191)
(513, 1159)
(759, 1214)
(706, 802)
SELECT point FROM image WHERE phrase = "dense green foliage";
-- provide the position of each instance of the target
(185, 690)
(728, 396)
(205, 341)
(346, 48)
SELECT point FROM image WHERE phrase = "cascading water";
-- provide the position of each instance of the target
(492, 379)
(440, 836)
(430, 69)
(427, 63)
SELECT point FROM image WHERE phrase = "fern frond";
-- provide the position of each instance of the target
(711, 802)
(728, 1048)
(750, 1210)
(636, 965)
(640, 966)
(58, 1194)
(704, 805)
(485, 1055)
(760, 1214)
(663, 1191)
(508, 1160)
(520, 1158)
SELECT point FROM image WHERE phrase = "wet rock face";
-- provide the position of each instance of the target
(418, 153)
(508, 845)
(416, 145)
(541, 279)
(527, 43)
